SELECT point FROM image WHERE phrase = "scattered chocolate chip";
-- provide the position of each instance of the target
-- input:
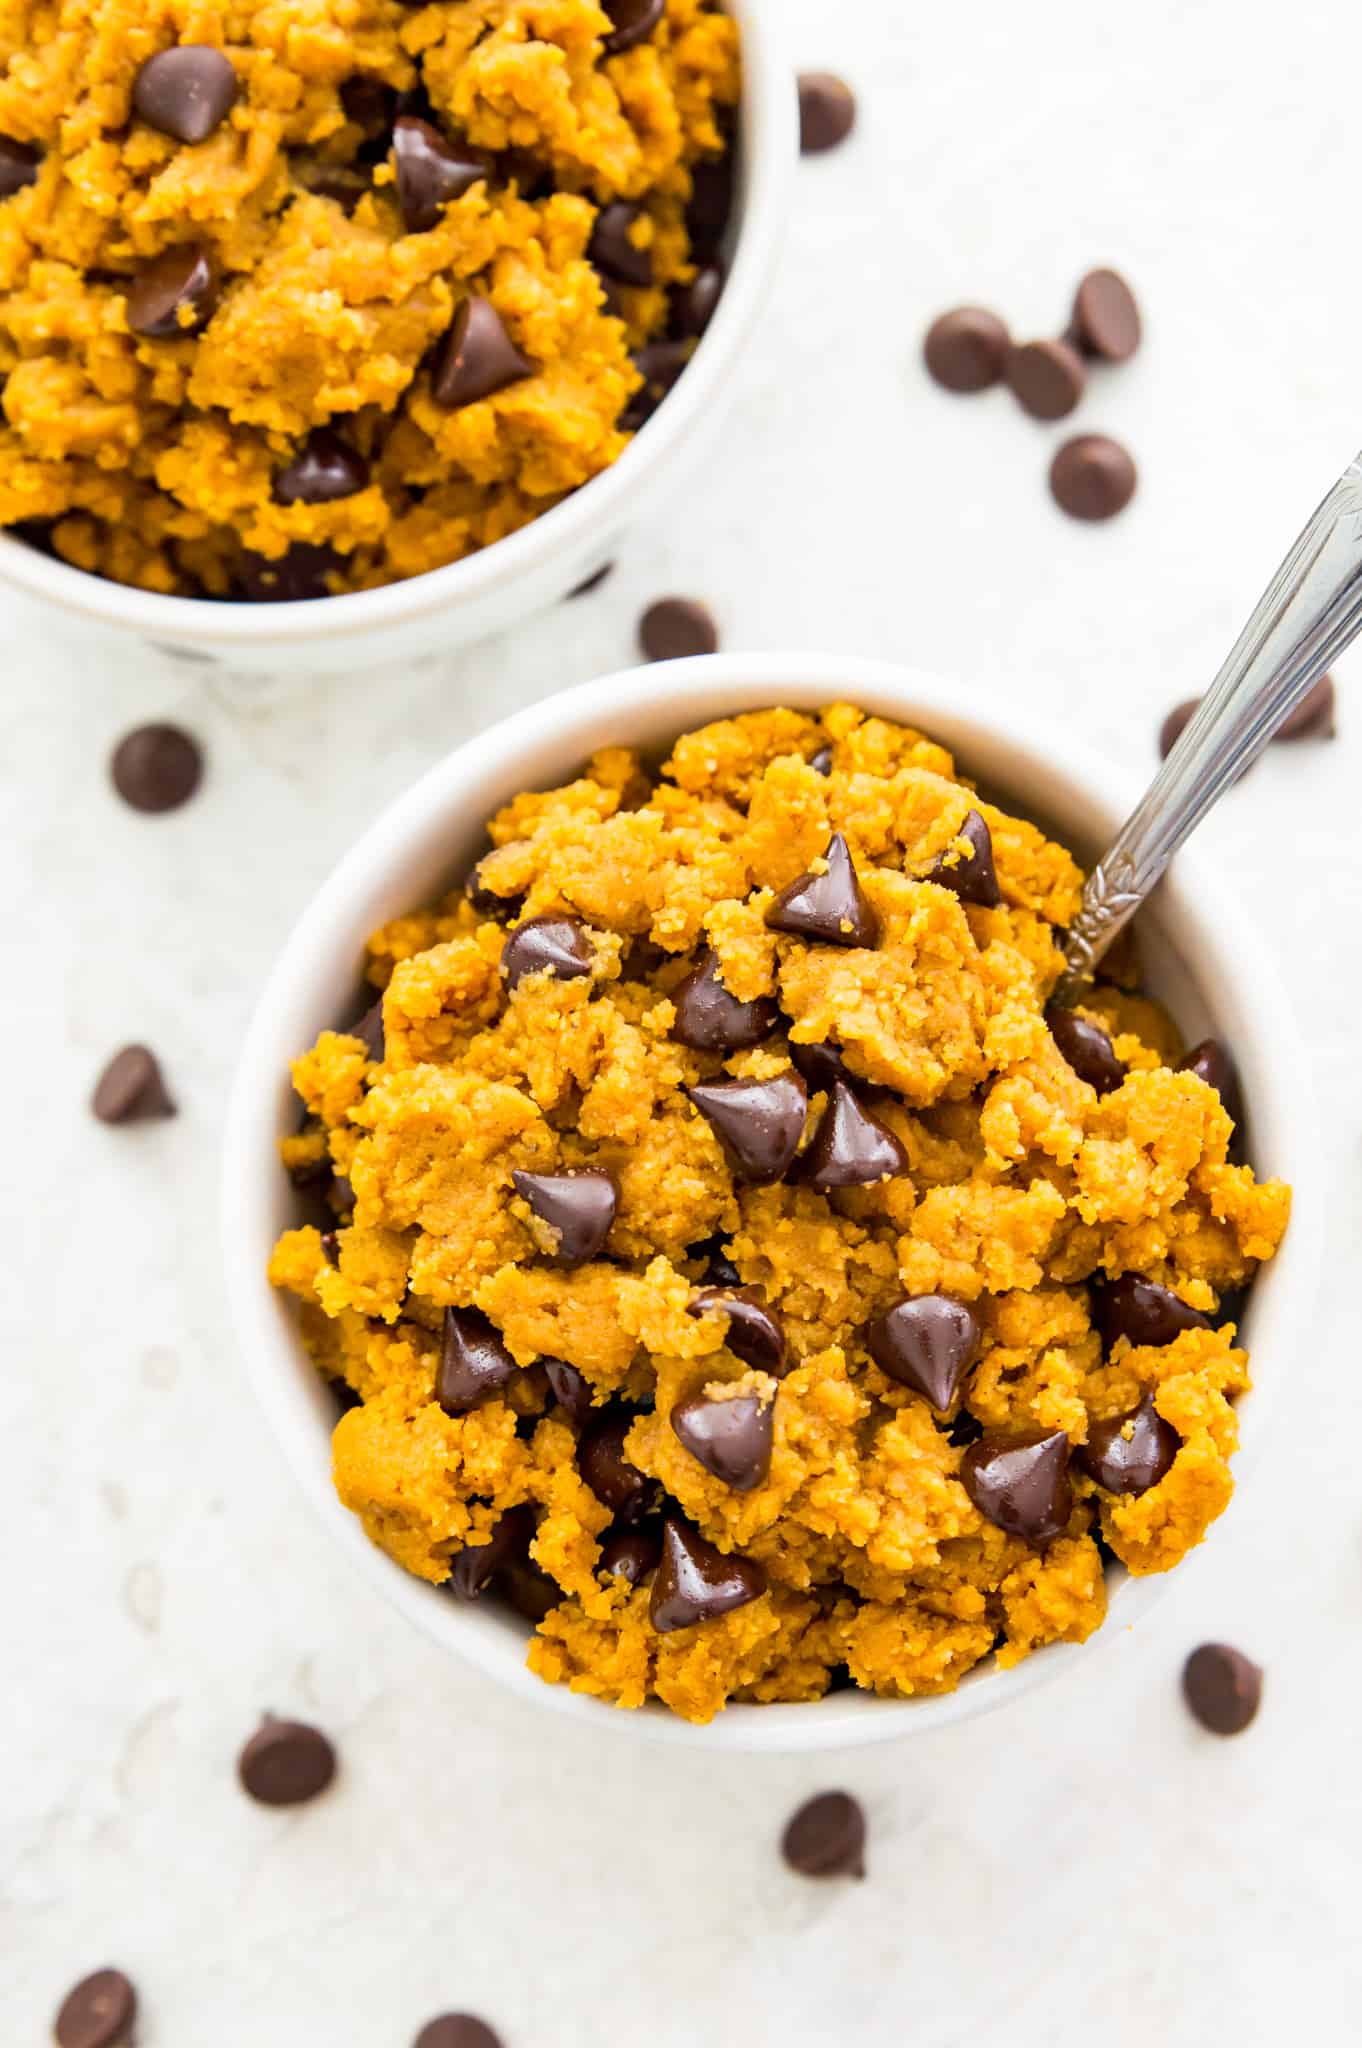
(821, 762)
(828, 905)
(592, 582)
(472, 1569)
(675, 627)
(711, 203)
(430, 172)
(528, 1590)
(1313, 717)
(731, 1438)
(756, 1333)
(1142, 1311)
(827, 111)
(966, 349)
(616, 1483)
(612, 248)
(630, 1554)
(1106, 319)
(927, 1343)
(695, 1582)
(850, 1148)
(369, 1030)
(570, 1390)
(156, 767)
(659, 364)
(826, 1837)
(695, 304)
(476, 357)
(971, 877)
(1087, 1048)
(1021, 1483)
(296, 577)
(821, 1064)
(1132, 1452)
(131, 1089)
(175, 295)
(1046, 378)
(578, 1208)
(185, 93)
(1092, 477)
(709, 1019)
(758, 1123)
(1211, 1063)
(457, 2030)
(326, 468)
(473, 1361)
(97, 2013)
(632, 21)
(1222, 1687)
(286, 1763)
(19, 166)
(554, 945)
(1176, 723)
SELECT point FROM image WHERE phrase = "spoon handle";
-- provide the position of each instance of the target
(1308, 614)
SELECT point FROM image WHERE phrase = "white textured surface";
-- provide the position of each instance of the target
(1088, 1867)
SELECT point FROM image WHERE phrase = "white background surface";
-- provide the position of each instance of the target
(1089, 1867)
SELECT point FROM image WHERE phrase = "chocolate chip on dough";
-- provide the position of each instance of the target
(850, 1148)
(928, 1343)
(827, 904)
(556, 945)
(430, 172)
(631, 22)
(969, 876)
(577, 1208)
(1087, 1048)
(174, 295)
(730, 1437)
(1131, 1452)
(695, 1582)
(187, 92)
(473, 1361)
(709, 1019)
(758, 1123)
(326, 468)
(476, 357)
(756, 1333)
(1021, 1483)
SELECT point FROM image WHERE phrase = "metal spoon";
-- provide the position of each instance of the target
(1309, 613)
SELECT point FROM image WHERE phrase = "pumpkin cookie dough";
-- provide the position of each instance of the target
(728, 1256)
(306, 296)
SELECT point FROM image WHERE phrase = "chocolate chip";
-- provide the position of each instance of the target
(185, 93)
(821, 762)
(630, 1554)
(528, 1590)
(369, 1030)
(131, 1089)
(720, 1270)
(695, 1582)
(966, 349)
(1106, 319)
(821, 1064)
(286, 1763)
(1222, 1687)
(971, 878)
(1132, 1452)
(1176, 723)
(1021, 1483)
(829, 906)
(331, 1247)
(827, 111)
(430, 172)
(457, 2030)
(611, 248)
(1046, 378)
(570, 1390)
(473, 1361)
(826, 1837)
(296, 577)
(709, 1019)
(156, 767)
(19, 166)
(554, 945)
(475, 358)
(97, 2013)
(928, 1343)
(1313, 717)
(730, 1438)
(759, 1123)
(1142, 1311)
(1087, 1048)
(325, 469)
(1211, 1063)
(756, 1333)
(578, 1208)
(472, 1569)
(632, 21)
(486, 901)
(335, 181)
(850, 1148)
(675, 627)
(592, 582)
(1092, 477)
(175, 295)
(659, 364)
(616, 1483)
(371, 103)
(695, 304)
(711, 202)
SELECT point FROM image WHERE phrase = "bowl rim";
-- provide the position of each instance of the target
(1230, 954)
(768, 113)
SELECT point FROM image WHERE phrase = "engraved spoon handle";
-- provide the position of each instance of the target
(1309, 613)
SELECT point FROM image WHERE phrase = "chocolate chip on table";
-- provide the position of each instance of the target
(828, 905)
(612, 248)
(710, 206)
(186, 92)
(326, 468)
(578, 1208)
(630, 1554)
(476, 357)
(632, 22)
(1106, 320)
(756, 1333)
(928, 1343)
(674, 627)
(821, 1064)
(616, 1483)
(1132, 1452)
(1046, 378)
(592, 582)
(429, 171)
(1021, 1483)
(695, 1582)
(695, 304)
(554, 945)
(570, 1389)
(1092, 477)
(1142, 1311)
(850, 1148)
(1175, 724)
(19, 166)
(758, 1123)
(826, 1837)
(966, 349)
(709, 1019)
(972, 877)
(456, 2030)
(730, 1438)
(1222, 1687)
(1211, 1063)
(1087, 1048)
(131, 1089)
(295, 577)
(175, 295)
(97, 2013)
(1313, 718)
(473, 1361)
(827, 111)
(472, 1569)
(156, 768)
(286, 1763)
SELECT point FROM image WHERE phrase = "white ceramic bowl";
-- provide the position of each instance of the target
(1203, 955)
(448, 608)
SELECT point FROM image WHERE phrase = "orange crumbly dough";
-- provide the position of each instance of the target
(154, 460)
(1024, 1192)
